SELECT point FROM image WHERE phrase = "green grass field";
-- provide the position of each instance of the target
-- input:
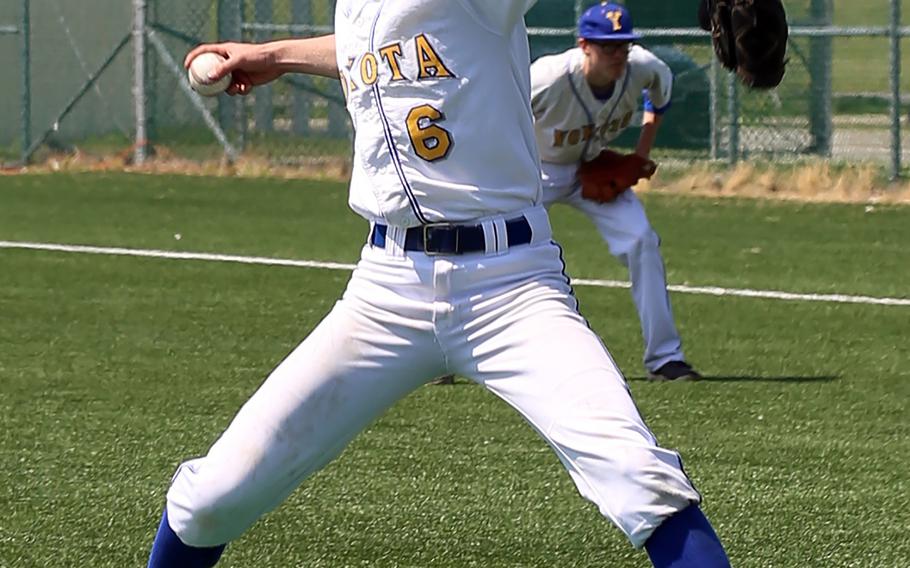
(113, 369)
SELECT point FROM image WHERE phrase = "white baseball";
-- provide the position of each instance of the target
(198, 74)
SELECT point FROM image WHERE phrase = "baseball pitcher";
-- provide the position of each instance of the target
(582, 99)
(459, 274)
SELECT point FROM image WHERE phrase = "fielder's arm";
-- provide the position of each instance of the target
(649, 125)
(657, 94)
(253, 64)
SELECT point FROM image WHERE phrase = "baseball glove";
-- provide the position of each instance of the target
(611, 173)
(749, 37)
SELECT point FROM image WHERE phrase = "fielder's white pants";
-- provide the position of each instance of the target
(624, 226)
(506, 319)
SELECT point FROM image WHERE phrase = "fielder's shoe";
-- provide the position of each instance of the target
(444, 380)
(675, 371)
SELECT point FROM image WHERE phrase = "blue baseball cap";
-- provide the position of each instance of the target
(606, 22)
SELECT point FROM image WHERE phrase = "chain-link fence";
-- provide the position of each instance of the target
(13, 107)
(83, 66)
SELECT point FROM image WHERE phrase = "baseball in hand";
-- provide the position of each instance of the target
(198, 75)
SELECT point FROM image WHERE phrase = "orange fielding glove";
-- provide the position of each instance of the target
(611, 173)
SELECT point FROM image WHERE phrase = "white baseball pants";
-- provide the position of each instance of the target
(505, 318)
(624, 226)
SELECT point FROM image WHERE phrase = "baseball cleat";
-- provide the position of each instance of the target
(675, 371)
(444, 380)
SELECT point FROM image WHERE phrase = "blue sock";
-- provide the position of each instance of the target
(686, 540)
(169, 552)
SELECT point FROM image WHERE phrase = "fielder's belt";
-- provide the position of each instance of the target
(451, 239)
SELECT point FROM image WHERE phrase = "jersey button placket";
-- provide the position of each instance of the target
(442, 289)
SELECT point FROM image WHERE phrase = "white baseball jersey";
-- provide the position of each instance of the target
(410, 152)
(439, 92)
(571, 123)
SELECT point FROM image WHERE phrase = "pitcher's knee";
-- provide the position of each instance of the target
(204, 512)
(641, 488)
(204, 523)
(645, 239)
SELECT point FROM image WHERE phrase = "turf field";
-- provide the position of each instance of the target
(115, 368)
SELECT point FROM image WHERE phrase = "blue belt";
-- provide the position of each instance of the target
(446, 238)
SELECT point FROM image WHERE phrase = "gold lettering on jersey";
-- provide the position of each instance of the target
(352, 86)
(344, 84)
(369, 69)
(559, 138)
(574, 136)
(626, 120)
(391, 54)
(429, 62)
(617, 124)
(387, 62)
(587, 132)
(429, 140)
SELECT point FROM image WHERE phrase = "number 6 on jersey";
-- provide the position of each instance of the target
(431, 142)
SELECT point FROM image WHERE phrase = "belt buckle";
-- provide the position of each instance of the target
(428, 229)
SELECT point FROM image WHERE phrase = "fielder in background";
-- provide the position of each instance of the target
(582, 99)
(459, 274)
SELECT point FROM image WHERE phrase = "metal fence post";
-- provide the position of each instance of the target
(26, 112)
(141, 141)
(337, 115)
(733, 111)
(713, 71)
(895, 89)
(301, 13)
(264, 111)
(229, 29)
(820, 60)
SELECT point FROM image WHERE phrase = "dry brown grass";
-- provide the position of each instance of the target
(814, 182)
(164, 162)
